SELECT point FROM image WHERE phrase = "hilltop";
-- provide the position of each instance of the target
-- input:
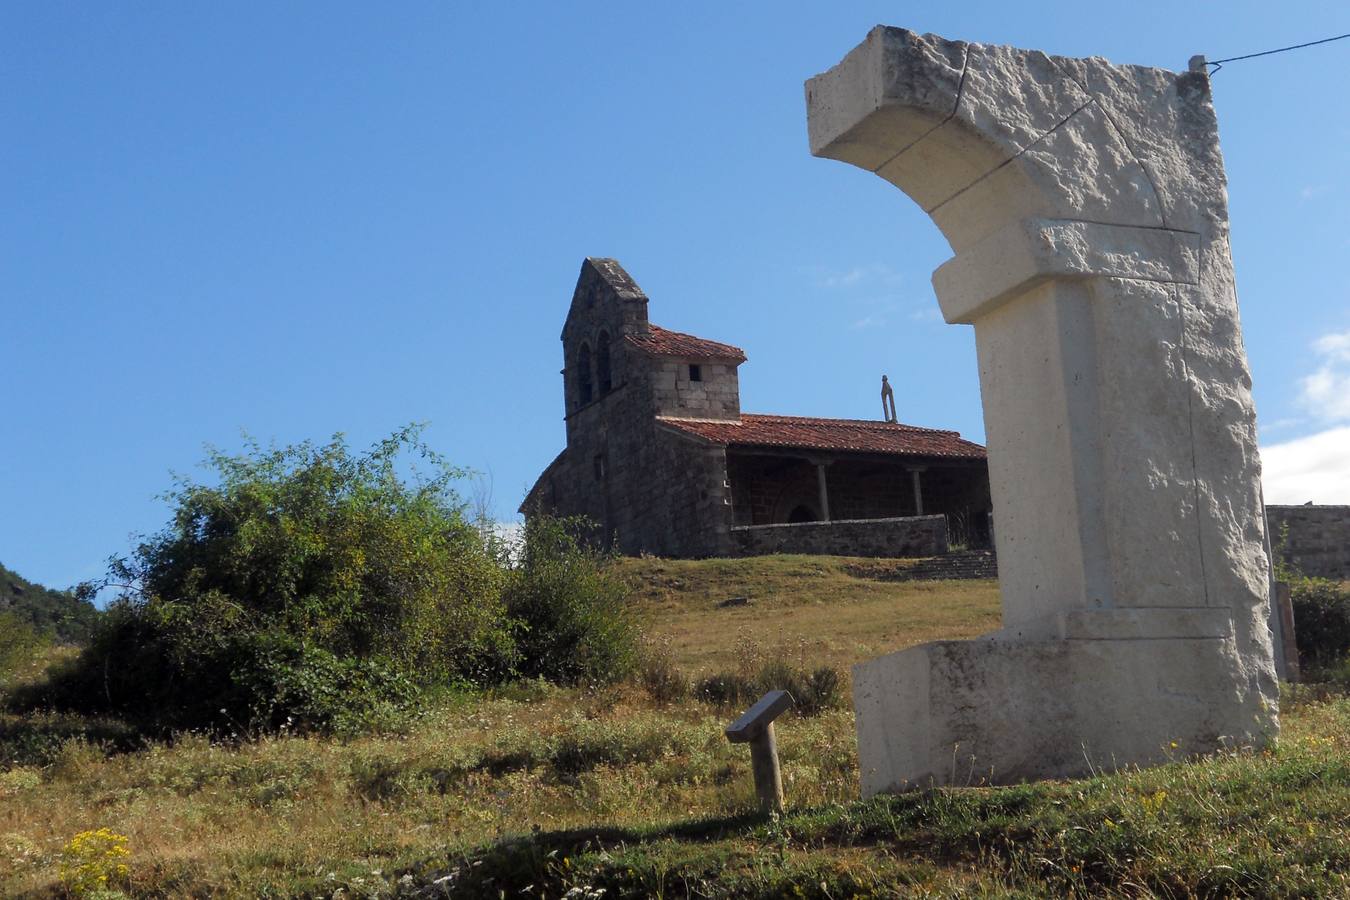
(58, 613)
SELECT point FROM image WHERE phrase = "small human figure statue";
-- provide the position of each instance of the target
(887, 400)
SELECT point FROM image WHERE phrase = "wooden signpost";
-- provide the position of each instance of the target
(755, 727)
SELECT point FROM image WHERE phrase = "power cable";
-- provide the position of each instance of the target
(1218, 63)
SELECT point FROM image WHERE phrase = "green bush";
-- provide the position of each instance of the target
(813, 690)
(659, 675)
(1321, 623)
(572, 616)
(308, 586)
(20, 643)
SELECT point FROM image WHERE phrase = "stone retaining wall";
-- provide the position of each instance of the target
(900, 537)
(953, 566)
(1315, 539)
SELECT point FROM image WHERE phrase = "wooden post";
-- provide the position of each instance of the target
(755, 727)
(1284, 600)
(824, 492)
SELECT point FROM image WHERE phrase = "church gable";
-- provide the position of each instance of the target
(605, 296)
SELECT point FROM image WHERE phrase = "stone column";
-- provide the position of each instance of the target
(1086, 207)
(918, 490)
(824, 492)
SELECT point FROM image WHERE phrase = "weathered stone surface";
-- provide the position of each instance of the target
(902, 537)
(1026, 253)
(1086, 206)
(971, 712)
(855, 97)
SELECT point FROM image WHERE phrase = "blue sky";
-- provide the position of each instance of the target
(296, 219)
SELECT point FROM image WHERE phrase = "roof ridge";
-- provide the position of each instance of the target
(828, 434)
(866, 423)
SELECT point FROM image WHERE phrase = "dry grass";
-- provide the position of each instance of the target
(833, 610)
(536, 785)
(300, 816)
(294, 815)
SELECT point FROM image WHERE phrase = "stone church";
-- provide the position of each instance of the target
(661, 458)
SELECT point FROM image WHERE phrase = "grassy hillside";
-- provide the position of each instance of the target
(58, 613)
(538, 791)
(832, 610)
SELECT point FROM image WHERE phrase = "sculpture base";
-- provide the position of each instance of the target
(1001, 711)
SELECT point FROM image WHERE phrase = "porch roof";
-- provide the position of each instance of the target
(806, 433)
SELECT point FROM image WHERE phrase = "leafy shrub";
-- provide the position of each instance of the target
(813, 690)
(19, 780)
(1321, 623)
(727, 689)
(820, 690)
(572, 617)
(658, 674)
(311, 686)
(309, 586)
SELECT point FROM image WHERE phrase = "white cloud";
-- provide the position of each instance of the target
(1279, 425)
(1335, 346)
(1313, 190)
(928, 313)
(1326, 392)
(868, 322)
(1315, 468)
(869, 275)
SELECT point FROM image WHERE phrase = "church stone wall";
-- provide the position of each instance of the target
(648, 489)
(903, 537)
(1314, 539)
(716, 395)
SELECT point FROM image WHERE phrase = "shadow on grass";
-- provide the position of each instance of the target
(635, 861)
(879, 819)
(36, 738)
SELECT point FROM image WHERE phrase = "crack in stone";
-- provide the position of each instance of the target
(1011, 159)
(956, 107)
(1125, 139)
(1190, 425)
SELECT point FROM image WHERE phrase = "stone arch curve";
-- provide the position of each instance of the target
(1086, 207)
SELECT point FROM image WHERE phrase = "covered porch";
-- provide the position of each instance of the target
(773, 486)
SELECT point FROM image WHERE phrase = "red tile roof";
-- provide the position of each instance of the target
(663, 342)
(830, 434)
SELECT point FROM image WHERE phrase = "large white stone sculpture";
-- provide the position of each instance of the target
(1087, 209)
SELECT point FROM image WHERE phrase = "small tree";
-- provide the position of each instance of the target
(572, 616)
(307, 585)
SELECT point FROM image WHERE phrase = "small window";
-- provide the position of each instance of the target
(695, 373)
(599, 465)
